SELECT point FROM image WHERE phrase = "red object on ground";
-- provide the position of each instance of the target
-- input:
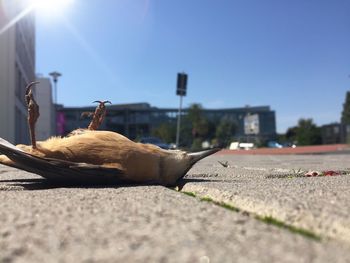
(331, 173)
(324, 173)
(312, 173)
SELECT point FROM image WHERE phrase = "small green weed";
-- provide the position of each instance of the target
(266, 219)
(206, 199)
(273, 221)
(189, 193)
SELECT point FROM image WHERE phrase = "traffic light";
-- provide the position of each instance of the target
(181, 84)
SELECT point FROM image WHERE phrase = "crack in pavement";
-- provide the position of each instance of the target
(336, 229)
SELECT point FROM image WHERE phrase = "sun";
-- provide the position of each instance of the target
(43, 8)
(50, 7)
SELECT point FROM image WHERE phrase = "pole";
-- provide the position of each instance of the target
(55, 75)
(55, 87)
(178, 123)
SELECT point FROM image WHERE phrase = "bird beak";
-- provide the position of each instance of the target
(195, 157)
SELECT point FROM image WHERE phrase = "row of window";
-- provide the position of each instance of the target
(24, 71)
(20, 84)
(21, 131)
(25, 52)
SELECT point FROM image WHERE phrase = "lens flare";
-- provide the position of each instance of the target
(50, 5)
(45, 7)
(14, 20)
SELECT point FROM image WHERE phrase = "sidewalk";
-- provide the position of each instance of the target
(271, 185)
(212, 219)
(315, 149)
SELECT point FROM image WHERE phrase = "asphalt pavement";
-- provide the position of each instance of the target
(216, 214)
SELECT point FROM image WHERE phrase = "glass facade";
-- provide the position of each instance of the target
(138, 120)
(17, 68)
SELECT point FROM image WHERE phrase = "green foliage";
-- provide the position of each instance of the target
(212, 125)
(186, 132)
(281, 138)
(345, 116)
(306, 133)
(304, 232)
(196, 128)
(189, 193)
(195, 113)
(225, 131)
(200, 125)
(206, 199)
(196, 144)
(291, 134)
(228, 206)
(166, 131)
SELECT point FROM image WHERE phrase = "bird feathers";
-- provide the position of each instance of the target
(86, 156)
(100, 156)
(56, 169)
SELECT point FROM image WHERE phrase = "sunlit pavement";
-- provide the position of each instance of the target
(280, 186)
(317, 149)
(213, 219)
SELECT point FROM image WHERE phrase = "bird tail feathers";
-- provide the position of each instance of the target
(60, 170)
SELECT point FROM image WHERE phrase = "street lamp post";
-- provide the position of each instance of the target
(180, 91)
(55, 75)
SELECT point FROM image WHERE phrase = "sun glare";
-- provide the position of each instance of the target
(45, 8)
(50, 7)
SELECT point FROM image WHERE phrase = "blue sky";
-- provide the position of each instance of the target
(293, 55)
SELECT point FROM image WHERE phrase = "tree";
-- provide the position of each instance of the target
(345, 116)
(166, 131)
(291, 134)
(186, 132)
(225, 131)
(307, 133)
(200, 125)
(212, 126)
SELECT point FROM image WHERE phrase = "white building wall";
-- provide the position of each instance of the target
(45, 126)
(7, 81)
(17, 67)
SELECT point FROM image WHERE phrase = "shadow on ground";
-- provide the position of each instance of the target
(44, 184)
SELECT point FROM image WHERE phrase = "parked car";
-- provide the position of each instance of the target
(155, 141)
(274, 144)
(241, 146)
(289, 144)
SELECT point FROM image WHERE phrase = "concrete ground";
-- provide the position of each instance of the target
(216, 214)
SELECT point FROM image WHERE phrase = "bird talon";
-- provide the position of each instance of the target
(98, 115)
(33, 112)
(86, 114)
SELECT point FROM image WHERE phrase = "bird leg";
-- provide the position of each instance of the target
(33, 112)
(98, 115)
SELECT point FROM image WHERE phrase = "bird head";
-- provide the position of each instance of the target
(175, 165)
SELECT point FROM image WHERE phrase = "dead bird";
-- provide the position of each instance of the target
(91, 156)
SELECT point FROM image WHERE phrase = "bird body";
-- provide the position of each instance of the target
(131, 161)
(91, 156)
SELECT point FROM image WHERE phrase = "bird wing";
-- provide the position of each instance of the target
(60, 170)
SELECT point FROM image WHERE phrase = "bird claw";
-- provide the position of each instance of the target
(86, 114)
(33, 112)
(98, 115)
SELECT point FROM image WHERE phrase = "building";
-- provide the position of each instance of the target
(46, 125)
(17, 68)
(139, 119)
(334, 133)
